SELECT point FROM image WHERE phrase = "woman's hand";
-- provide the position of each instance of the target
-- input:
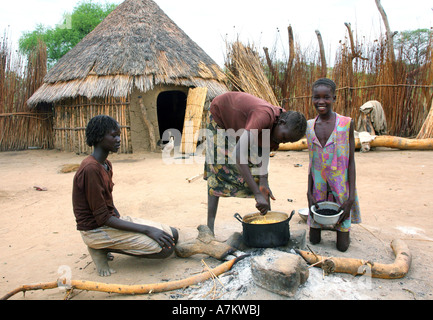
(311, 202)
(266, 191)
(267, 195)
(262, 204)
(346, 207)
(162, 238)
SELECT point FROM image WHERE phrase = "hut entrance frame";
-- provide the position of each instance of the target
(195, 118)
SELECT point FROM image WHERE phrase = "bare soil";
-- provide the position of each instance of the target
(39, 239)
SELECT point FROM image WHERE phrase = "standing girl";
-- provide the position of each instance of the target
(332, 173)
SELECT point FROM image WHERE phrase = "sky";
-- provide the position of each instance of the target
(263, 23)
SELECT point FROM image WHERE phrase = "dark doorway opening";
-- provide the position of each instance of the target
(171, 106)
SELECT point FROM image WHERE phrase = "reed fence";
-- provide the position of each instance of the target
(72, 115)
(362, 72)
(21, 128)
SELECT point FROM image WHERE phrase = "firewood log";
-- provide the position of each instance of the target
(131, 289)
(402, 143)
(379, 141)
(396, 270)
(294, 146)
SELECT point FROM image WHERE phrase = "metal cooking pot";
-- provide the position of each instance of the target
(265, 235)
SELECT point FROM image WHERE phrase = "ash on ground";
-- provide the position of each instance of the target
(230, 285)
(238, 284)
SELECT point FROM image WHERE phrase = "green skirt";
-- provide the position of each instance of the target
(220, 171)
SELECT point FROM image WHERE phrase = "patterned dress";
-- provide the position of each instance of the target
(222, 175)
(329, 168)
(237, 111)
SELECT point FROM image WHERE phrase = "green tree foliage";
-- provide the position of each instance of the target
(413, 45)
(63, 37)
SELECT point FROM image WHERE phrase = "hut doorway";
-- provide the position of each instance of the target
(171, 106)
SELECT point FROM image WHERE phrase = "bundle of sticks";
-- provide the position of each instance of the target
(245, 72)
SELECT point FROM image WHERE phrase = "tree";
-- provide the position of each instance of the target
(413, 45)
(62, 38)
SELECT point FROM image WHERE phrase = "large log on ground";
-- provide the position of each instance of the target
(379, 141)
(402, 143)
(295, 146)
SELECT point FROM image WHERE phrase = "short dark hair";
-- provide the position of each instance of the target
(296, 121)
(325, 82)
(98, 127)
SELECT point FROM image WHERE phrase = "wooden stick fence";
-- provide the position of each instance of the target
(72, 116)
(21, 128)
(403, 89)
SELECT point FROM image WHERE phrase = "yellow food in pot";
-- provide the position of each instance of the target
(264, 221)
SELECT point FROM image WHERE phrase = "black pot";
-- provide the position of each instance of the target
(266, 235)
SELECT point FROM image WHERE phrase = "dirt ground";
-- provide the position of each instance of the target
(39, 238)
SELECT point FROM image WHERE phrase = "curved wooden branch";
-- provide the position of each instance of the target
(396, 270)
(389, 34)
(131, 289)
(355, 53)
(322, 54)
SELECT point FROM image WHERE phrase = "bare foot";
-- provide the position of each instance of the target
(100, 259)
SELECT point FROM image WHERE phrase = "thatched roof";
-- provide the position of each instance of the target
(136, 46)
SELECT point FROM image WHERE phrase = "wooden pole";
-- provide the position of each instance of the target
(379, 141)
(389, 35)
(322, 55)
(148, 124)
(355, 53)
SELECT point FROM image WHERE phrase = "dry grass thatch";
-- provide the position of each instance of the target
(136, 46)
(245, 72)
(426, 131)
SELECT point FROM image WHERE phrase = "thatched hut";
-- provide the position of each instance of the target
(138, 66)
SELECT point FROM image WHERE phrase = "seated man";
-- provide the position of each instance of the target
(99, 222)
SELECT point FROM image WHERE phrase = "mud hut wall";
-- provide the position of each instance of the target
(139, 131)
(72, 115)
